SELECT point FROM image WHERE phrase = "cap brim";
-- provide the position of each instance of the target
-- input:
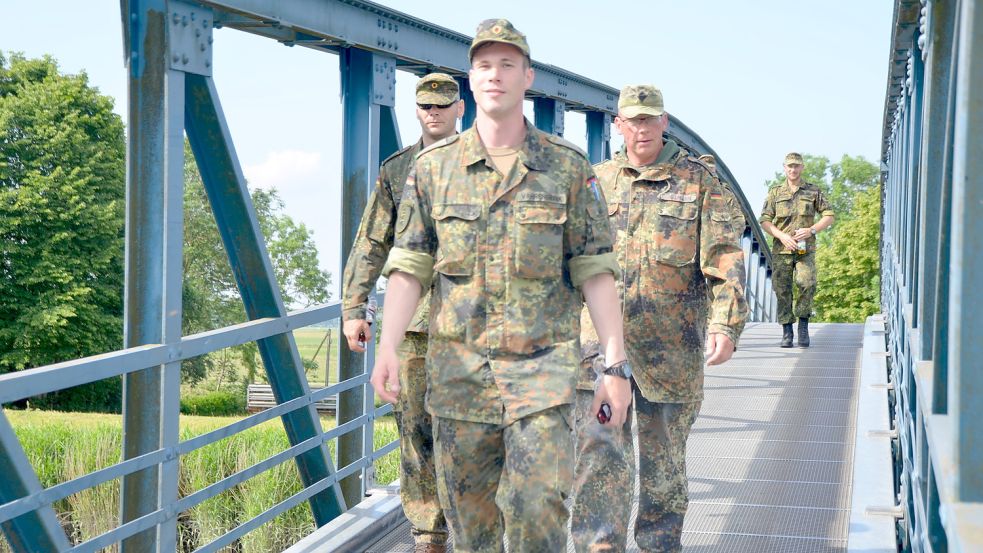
(487, 40)
(629, 112)
(435, 98)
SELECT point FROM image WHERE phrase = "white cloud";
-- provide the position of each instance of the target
(283, 168)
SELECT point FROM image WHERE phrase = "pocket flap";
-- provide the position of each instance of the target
(468, 212)
(548, 214)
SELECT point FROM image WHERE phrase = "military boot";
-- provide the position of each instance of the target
(787, 335)
(803, 333)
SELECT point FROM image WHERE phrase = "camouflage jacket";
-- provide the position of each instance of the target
(508, 255)
(676, 236)
(790, 209)
(375, 239)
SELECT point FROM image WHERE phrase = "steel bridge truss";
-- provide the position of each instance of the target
(932, 268)
(172, 96)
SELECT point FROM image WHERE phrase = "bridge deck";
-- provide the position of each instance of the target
(770, 457)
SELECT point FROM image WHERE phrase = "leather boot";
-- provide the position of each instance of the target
(787, 335)
(803, 333)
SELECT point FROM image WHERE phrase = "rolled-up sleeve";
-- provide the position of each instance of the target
(416, 242)
(589, 244)
(768, 210)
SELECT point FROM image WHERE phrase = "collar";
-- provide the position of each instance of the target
(532, 151)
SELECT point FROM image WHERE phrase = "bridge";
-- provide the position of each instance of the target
(865, 442)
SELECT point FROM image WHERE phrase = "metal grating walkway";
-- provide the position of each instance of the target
(770, 457)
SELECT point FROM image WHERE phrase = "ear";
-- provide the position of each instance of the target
(530, 77)
(460, 109)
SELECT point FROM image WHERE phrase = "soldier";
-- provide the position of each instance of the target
(677, 241)
(438, 107)
(789, 215)
(512, 222)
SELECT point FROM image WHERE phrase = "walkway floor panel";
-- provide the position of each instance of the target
(769, 458)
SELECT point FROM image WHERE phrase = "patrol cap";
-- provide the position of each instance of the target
(498, 30)
(640, 99)
(793, 158)
(437, 88)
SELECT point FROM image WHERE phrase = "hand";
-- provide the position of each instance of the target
(790, 243)
(802, 234)
(358, 332)
(719, 349)
(616, 392)
(385, 375)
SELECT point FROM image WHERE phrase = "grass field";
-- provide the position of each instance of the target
(312, 344)
(64, 446)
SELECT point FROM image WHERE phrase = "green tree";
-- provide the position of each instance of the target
(849, 286)
(211, 297)
(62, 174)
(848, 254)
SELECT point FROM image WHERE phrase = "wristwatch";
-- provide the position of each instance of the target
(812, 230)
(621, 369)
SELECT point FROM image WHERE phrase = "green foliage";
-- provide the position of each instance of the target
(62, 173)
(211, 296)
(848, 254)
(849, 279)
(221, 403)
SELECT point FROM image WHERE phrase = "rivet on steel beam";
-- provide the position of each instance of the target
(208, 63)
(197, 32)
(176, 58)
(192, 16)
(176, 18)
(204, 23)
(210, 39)
(202, 46)
(184, 21)
(184, 59)
(133, 17)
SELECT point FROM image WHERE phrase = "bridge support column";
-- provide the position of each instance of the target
(598, 136)
(549, 115)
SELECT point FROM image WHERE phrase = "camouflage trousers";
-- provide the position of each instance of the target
(417, 473)
(794, 271)
(604, 478)
(496, 480)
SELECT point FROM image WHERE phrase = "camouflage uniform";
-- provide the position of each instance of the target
(508, 255)
(788, 209)
(737, 214)
(417, 472)
(675, 238)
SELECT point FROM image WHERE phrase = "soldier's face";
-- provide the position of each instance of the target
(793, 171)
(499, 79)
(643, 136)
(439, 122)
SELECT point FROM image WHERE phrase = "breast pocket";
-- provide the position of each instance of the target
(676, 233)
(783, 208)
(457, 236)
(539, 240)
(807, 207)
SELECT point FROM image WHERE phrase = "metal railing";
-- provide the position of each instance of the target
(172, 94)
(932, 270)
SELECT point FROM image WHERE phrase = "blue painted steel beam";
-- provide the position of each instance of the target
(335, 25)
(598, 136)
(966, 302)
(548, 115)
(34, 531)
(229, 198)
(363, 126)
(470, 108)
(152, 296)
(937, 75)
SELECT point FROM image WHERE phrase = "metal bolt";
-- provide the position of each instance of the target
(202, 46)
(208, 63)
(192, 16)
(176, 18)
(210, 39)
(184, 21)
(197, 32)
(133, 17)
(204, 23)
(176, 58)
(184, 59)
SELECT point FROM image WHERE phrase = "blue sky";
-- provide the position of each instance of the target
(755, 78)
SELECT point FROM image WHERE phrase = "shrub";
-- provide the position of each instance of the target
(214, 404)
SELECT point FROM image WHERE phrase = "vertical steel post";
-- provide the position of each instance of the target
(470, 108)
(598, 136)
(938, 51)
(966, 303)
(367, 84)
(238, 225)
(152, 296)
(548, 114)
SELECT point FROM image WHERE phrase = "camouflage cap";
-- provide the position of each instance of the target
(498, 30)
(437, 88)
(793, 158)
(640, 99)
